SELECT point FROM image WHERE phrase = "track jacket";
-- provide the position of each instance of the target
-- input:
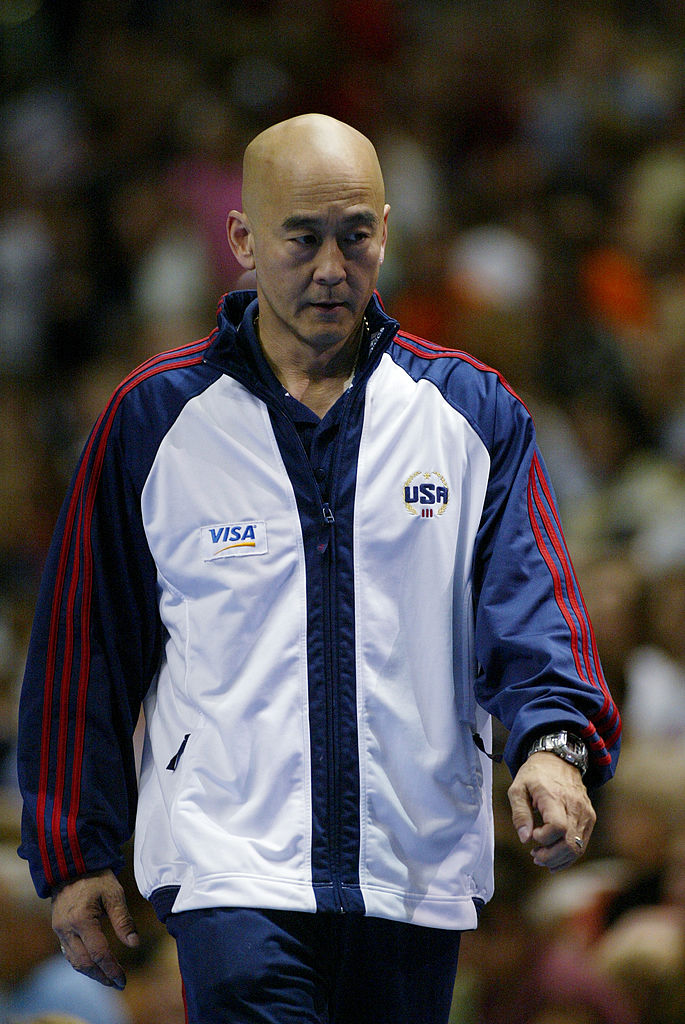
(314, 666)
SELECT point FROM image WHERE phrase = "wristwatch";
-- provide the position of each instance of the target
(566, 746)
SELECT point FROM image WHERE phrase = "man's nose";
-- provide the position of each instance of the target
(330, 266)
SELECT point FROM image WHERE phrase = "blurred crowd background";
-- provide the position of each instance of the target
(534, 155)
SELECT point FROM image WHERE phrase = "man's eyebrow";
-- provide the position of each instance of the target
(363, 219)
(298, 222)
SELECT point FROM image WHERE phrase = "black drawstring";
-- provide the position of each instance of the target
(478, 740)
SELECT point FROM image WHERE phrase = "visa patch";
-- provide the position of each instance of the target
(233, 540)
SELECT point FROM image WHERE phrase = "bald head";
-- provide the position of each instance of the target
(307, 149)
(312, 230)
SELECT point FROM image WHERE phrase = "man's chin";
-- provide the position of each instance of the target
(324, 331)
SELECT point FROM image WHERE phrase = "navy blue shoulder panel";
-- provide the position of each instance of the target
(479, 392)
(150, 399)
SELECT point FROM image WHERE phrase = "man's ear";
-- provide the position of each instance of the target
(240, 239)
(384, 238)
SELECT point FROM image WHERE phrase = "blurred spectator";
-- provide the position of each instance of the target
(644, 952)
(204, 181)
(54, 1018)
(655, 670)
(26, 259)
(27, 501)
(494, 275)
(612, 585)
(646, 813)
(674, 871)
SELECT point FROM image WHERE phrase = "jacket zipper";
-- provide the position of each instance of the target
(326, 548)
(327, 551)
(332, 668)
(328, 572)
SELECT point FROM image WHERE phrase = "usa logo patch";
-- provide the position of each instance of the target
(233, 540)
(426, 494)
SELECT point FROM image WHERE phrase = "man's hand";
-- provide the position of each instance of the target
(77, 911)
(545, 784)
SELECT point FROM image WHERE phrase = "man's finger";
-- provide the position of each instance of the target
(554, 858)
(556, 848)
(548, 834)
(559, 855)
(77, 955)
(99, 957)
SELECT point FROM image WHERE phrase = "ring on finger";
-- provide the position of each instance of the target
(579, 842)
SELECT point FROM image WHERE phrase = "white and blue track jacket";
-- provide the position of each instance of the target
(313, 672)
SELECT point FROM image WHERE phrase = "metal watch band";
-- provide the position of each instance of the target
(566, 745)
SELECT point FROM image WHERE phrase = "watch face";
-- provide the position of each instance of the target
(575, 752)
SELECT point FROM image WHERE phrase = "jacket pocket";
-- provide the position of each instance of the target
(173, 763)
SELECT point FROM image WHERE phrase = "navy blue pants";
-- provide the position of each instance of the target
(280, 967)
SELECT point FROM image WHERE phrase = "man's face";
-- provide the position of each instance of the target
(318, 240)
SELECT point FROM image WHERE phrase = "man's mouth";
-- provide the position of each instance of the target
(328, 308)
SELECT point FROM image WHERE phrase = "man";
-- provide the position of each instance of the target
(324, 552)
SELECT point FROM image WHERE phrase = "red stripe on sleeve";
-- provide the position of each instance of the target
(574, 613)
(569, 577)
(533, 505)
(596, 676)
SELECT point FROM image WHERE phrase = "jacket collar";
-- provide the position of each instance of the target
(233, 347)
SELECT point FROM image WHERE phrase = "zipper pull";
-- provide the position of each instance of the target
(329, 520)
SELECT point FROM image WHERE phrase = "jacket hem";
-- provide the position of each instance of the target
(456, 913)
(163, 900)
(451, 913)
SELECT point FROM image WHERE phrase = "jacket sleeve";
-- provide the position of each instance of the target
(93, 652)
(538, 666)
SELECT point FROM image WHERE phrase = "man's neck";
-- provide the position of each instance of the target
(317, 379)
